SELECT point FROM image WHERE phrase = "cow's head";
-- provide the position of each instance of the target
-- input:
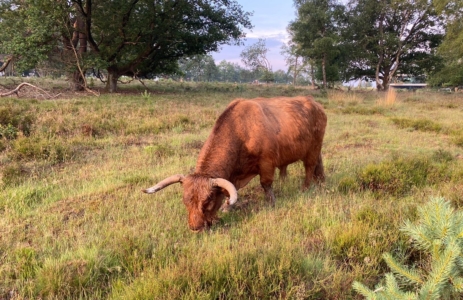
(202, 197)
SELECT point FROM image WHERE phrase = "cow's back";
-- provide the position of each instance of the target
(282, 130)
(288, 128)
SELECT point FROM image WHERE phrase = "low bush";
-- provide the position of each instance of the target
(13, 174)
(51, 150)
(420, 124)
(398, 176)
(13, 120)
(376, 110)
(8, 132)
(395, 177)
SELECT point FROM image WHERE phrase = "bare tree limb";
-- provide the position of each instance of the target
(6, 63)
(16, 90)
(82, 72)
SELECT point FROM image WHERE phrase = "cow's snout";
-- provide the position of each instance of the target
(196, 221)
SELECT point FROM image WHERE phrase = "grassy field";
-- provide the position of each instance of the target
(74, 223)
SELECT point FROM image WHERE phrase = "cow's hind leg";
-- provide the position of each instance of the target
(283, 172)
(311, 163)
(319, 172)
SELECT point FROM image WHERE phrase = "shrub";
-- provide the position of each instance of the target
(8, 132)
(12, 121)
(420, 125)
(13, 174)
(438, 234)
(377, 110)
(347, 185)
(399, 175)
(52, 150)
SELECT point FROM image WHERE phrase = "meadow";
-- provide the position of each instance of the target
(74, 223)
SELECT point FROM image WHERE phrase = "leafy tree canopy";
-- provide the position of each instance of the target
(136, 37)
(316, 34)
(451, 48)
(386, 37)
(254, 57)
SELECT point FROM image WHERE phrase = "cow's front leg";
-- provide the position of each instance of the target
(269, 195)
(267, 172)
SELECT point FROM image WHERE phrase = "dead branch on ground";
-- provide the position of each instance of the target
(16, 90)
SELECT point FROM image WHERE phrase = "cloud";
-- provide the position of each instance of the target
(272, 41)
(273, 34)
(270, 19)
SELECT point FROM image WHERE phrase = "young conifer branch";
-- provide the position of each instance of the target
(438, 233)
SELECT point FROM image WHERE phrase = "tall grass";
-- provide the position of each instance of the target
(75, 225)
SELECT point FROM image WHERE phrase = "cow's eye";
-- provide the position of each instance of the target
(208, 204)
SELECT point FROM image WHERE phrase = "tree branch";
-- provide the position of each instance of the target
(16, 90)
(6, 63)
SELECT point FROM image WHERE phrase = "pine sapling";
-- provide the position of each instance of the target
(438, 233)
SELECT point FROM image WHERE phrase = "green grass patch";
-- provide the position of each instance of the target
(362, 110)
(74, 223)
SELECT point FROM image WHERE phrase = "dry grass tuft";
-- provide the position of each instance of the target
(390, 98)
(343, 98)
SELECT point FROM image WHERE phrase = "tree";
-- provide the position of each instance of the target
(22, 36)
(254, 57)
(451, 48)
(439, 236)
(316, 32)
(293, 59)
(229, 72)
(386, 37)
(281, 77)
(134, 38)
(199, 68)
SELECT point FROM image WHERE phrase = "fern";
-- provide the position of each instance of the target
(439, 232)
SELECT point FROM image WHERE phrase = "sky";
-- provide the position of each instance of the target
(270, 19)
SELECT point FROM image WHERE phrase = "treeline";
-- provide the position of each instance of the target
(379, 40)
(204, 68)
(330, 41)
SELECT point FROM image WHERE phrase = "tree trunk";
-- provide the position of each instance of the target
(312, 73)
(111, 84)
(386, 82)
(324, 70)
(379, 82)
(74, 49)
(295, 72)
(76, 81)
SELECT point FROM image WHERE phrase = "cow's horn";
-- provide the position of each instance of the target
(166, 182)
(229, 187)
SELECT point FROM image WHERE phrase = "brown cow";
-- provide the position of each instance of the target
(251, 137)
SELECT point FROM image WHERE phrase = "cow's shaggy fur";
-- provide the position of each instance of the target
(254, 137)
